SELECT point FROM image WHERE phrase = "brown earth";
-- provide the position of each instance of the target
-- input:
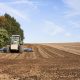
(46, 62)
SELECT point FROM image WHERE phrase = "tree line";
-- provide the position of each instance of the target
(9, 26)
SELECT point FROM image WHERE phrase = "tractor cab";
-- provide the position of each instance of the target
(15, 39)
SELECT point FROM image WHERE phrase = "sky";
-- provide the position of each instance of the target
(45, 21)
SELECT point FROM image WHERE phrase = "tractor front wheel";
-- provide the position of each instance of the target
(8, 49)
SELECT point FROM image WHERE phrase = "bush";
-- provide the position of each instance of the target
(4, 37)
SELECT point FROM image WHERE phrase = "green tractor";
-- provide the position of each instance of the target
(15, 44)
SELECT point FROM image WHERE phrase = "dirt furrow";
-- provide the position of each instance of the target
(7, 55)
(36, 52)
(21, 56)
(17, 56)
(52, 51)
(43, 53)
(2, 55)
(34, 55)
(66, 49)
(66, 54)
(30, 55)
(26, 56)
(13, 56)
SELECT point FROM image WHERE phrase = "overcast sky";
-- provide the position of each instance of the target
(45, 20)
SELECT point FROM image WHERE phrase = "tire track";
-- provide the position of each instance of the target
(52, 51)
(2, 55)
(72, 50)
(34, 53)
(37, 51)
(31, 55)
(7, 55)
(14, 56)
(21, 56)
(66, 54)
(17, 56)
(43, 53)
(27, 55)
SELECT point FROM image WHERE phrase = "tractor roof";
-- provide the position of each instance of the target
(16, 35)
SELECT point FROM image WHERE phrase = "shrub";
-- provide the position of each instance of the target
(4, 37)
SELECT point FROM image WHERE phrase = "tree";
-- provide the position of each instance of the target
(9, 26)
(2, 21)
(4, 37)
(12, 26)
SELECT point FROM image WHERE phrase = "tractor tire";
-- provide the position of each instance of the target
(20, 49)
(8, 49)
(5, 50)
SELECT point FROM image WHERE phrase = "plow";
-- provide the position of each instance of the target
(15, 45)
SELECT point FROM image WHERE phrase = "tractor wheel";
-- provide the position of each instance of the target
(8, 49)
(20, 49)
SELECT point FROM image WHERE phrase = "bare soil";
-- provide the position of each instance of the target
(46, 62)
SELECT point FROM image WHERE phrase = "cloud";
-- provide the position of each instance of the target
(73, 12)
(74, 7)
(52, 29)
(4, 8)
(27, 2)
(68, 35)
(74, 4)
(75, 24)
(22, 2)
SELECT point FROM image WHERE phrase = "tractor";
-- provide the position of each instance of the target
(15, 44)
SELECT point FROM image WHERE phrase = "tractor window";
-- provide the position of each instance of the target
(15, 40)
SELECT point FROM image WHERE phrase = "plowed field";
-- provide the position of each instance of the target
(46, 62)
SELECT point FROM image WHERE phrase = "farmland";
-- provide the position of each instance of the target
(46, 62)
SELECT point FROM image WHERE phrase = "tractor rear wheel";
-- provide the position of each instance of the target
(20, 49)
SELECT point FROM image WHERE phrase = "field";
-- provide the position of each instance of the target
(46, 62)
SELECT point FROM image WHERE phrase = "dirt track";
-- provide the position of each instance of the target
(44, 63)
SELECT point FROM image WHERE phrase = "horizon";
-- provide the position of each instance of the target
(50, 21)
